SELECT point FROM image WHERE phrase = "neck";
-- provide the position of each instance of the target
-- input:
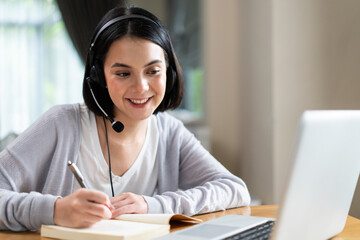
(133, 131)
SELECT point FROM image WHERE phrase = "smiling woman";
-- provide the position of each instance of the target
(153, 164)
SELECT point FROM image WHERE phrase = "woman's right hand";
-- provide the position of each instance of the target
(82, 208)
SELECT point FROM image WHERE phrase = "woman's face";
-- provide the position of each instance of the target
(135, 73)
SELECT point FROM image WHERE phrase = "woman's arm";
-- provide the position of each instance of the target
(191, 180)
(204, 189)
(25, 211)
(33, 172)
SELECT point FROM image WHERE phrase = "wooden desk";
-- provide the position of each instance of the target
(351, 230)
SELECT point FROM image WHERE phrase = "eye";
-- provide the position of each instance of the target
(153, 72)
(122, 74)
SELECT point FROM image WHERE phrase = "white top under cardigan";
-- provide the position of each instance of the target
(34, 172)
(140, 178)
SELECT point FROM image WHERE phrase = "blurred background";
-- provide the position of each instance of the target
(251, 68)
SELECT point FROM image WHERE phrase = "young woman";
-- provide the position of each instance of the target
(135, 158)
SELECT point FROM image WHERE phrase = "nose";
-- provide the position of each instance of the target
(141, 84)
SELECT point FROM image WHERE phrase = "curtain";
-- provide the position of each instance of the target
(81, 18)
(39, 66)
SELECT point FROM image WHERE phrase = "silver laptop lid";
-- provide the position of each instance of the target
(322, 182)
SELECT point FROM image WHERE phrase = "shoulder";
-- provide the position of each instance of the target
(56, 126)
(172, 131)
(167, 122)
(62, 114)
(60, 118)
(65, 110)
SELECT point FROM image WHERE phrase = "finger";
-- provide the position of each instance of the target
(126, 209)
(119, 197)
(123, 202)
(123, 197)
(96, 196)
(92, 202)
(137, 207)
(96, 209)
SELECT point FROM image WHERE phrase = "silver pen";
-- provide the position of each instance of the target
(79, 177)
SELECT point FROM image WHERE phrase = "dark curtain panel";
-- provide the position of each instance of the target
(81, 17)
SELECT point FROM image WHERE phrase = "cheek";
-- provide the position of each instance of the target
(161, 85)
(115, 90)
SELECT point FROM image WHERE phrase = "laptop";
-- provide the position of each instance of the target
(320, 186)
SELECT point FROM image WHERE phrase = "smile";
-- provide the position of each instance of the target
(139, 101)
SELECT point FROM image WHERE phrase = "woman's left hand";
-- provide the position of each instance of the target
(128, 203)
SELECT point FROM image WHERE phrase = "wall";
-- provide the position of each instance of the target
(256, 92)
(221, 61)
(238, 70)
(316, 55)
(266, 61)
(298, 74)
(342, 59)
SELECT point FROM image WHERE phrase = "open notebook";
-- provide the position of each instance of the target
(320, 185)
(127, 226)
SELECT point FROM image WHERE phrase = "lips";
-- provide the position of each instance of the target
(139, 101)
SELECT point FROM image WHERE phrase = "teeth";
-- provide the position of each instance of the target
(139, 101)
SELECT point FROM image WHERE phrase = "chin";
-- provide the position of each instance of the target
(143, 117)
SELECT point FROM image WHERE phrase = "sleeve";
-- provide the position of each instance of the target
(204, 184)
(28, 188)
(20, 211)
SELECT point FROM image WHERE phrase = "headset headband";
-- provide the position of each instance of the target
(112, 21)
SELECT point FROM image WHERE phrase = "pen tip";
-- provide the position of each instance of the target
(69, 163)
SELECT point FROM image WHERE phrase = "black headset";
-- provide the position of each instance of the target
(95, 71)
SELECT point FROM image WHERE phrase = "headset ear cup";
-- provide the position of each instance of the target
(93, 75)
(96, 76)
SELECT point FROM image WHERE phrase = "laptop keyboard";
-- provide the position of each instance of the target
(259, 232)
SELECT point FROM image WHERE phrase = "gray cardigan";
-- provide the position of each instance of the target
(34, 173)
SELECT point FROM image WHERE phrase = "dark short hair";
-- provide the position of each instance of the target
(152, 30)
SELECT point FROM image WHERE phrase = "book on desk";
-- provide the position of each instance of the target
(127, 226)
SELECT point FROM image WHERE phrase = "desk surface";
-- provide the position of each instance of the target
(351, 230)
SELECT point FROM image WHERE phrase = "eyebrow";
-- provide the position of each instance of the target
(127, 66)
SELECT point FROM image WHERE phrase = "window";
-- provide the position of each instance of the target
(183, 22)
(39, 65)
